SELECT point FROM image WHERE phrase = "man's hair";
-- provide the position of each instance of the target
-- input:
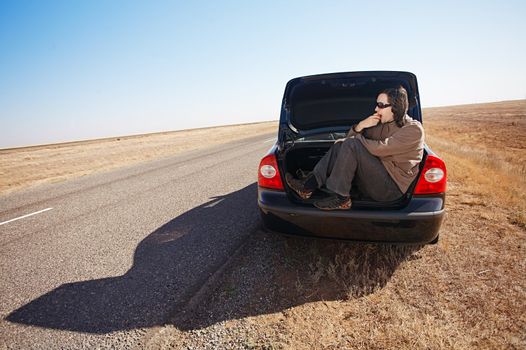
(399, 101)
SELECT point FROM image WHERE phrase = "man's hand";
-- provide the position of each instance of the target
(371, 120)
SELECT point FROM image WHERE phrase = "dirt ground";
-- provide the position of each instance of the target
(28, 166)
(468, 291)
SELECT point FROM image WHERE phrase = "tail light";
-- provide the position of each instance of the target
(433, 177)
(268, 175)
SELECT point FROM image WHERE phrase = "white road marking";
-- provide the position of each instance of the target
(25, 216)
(213, 204)
(273, 139)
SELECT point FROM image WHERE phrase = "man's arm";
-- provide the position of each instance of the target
(371, 120)
(406, 139)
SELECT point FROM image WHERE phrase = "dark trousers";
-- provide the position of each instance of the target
(349, 160)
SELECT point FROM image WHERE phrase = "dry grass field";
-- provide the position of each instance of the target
(466, 292)
(29, 166)
(484, 147)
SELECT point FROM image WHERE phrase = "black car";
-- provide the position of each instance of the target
(316, 111)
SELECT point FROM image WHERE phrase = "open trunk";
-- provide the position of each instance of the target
(299, 158)
(319, 109)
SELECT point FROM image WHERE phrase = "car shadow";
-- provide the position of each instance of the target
(272, 273)
(169, 265)
(280, 272)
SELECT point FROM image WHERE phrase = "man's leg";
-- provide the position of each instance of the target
(305, 187)
(323, 168)
(339, 166)
(372, 178)
(342, 167)
(353, 160)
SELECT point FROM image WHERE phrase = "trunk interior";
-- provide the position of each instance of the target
(301, 157)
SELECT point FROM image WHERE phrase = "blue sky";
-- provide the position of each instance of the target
(72, 70)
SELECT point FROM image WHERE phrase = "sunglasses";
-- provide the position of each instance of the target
(382, 105)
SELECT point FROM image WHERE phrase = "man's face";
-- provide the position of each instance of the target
(387, 112)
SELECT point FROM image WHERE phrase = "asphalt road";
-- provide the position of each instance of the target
(121, 252)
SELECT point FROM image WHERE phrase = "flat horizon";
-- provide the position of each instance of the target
(95, 139)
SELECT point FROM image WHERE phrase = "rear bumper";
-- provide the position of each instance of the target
(418, 222)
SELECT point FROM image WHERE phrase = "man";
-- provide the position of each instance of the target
(381, 152)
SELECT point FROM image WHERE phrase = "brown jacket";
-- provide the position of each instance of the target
(399, 149)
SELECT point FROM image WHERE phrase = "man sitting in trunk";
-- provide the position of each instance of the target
(381, 153)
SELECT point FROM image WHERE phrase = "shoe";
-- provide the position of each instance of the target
(334, 203)
(298, 186)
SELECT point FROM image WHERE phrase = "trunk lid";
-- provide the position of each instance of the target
(332, 103)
